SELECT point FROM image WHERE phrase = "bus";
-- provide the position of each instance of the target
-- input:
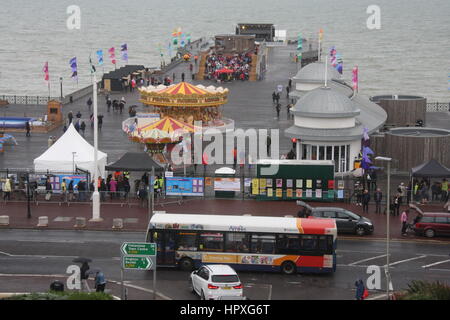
(254, 243)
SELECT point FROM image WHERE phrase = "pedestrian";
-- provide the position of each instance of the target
(274, 97)
(288, 110)
(278, 97)
(122, 104)
(444, 190)
(70, 189)
(77, 125)
(378, 196)
(404, 220)
(83, 127)
(108, 103)
(359, 284)
(112, 188)
(278, 108)
(84, 277)
(397, 204)
(182, 77)
(64, 190)
(50, 141)
(287, 91)
(142, 194)
(191, 67)
(365, 201)
(7, 189)
(89, 103)
(91, 119)
(173, 77)
(100, 282)
(115, 105)
(290, 83)
(48, 190)
(100, 121)
(402, 191)
(78, 115)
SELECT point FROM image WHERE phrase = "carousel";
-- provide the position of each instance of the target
(161, 135)
(187, 103)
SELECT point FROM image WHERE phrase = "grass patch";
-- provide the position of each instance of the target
(65, 295)
(423, 290)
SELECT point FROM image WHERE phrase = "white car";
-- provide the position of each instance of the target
(212, 282)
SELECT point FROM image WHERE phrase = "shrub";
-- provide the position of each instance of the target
(423, 290)
(65, 295)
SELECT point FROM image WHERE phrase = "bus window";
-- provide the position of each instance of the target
(263, 243)
(288, 244)
(308, 242)
(211, 241)
(323, 243)
(186, 241)
(236, 242)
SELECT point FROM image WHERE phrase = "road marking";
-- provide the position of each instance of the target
(142, 289)
(436, 263)
(270, 292)
(364, 260)
(446, 270)
(377, 297)
(402, 261)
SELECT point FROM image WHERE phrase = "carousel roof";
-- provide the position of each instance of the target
(168, 124)
(184, 94)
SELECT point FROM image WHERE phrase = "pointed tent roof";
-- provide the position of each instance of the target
(183, 88)
(134, 161)
(60, 155)
(432, 169)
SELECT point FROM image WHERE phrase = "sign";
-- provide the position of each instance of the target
(137, 263)
(227, 184)
(168, 174)
(181, 186)
(138, 248)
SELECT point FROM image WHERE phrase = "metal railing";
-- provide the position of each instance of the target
(438, 107)
(28, 100)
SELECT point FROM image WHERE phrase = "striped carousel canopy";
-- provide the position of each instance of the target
(184, 88)
(168, 124)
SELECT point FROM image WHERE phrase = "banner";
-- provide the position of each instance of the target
(100, 57)
(227, 184)
(181, 186)
(124, 52)
(112, 55)
(74, 68)
(46, 73)
(355, 78)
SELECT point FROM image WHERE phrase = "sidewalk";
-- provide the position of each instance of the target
(136, 218)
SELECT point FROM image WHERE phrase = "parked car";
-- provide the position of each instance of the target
(431, 224)
(213, 282)
(346, 221)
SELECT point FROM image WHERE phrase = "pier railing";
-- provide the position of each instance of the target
(438, 107)
(28, 100)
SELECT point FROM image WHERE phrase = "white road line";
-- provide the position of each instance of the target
(406, 260)
(446, 270)
(436, 263)
(364, 260)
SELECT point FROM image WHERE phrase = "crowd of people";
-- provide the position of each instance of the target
(239, 66)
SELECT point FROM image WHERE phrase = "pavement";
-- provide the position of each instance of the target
(62, 215)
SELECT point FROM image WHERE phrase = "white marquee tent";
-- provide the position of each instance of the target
(70, 150)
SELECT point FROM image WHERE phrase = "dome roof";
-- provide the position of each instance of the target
(315, 73)
(325, 102)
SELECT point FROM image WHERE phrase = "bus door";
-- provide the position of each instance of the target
(165, 242)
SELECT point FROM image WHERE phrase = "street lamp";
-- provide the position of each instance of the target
(60, 84)
(388, 160)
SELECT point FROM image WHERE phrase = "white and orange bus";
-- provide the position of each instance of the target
(250, 243)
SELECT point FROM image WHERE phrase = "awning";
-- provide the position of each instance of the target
(431, 169)
(134, 161)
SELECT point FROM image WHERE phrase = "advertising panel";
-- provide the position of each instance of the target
(181, 186)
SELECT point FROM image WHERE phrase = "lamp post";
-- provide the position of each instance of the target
(73, 161)
(95, 196)
(388, 277)
(60, 86)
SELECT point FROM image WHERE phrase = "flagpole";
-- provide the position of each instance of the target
(96, 196)
(326, 70)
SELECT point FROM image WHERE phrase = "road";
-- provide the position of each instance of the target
(45, 252)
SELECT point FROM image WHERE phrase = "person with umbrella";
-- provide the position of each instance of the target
(84, 272)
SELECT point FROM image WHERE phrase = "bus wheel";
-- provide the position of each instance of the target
(288, 267)
(186, 264)
(430, 233)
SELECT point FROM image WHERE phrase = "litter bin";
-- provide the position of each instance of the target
(57, 286)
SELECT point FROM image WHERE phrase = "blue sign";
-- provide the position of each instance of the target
(181, 186)
(56, 180)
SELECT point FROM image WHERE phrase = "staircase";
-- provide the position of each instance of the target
(252, 74)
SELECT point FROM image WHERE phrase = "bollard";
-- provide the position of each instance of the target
(43, 221)
(80, 222)
(4, 220)
(117, 224)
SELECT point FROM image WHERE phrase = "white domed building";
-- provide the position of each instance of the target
(329, 121)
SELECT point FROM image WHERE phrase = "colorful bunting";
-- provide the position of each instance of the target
(100, 57)
(46, 73)
(355, 78)
(124, 51)
(112, 55)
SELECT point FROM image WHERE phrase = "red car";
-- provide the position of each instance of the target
(433, 224)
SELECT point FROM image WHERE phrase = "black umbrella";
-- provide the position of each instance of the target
(82, 260)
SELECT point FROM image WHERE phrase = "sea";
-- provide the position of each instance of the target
(408, 54)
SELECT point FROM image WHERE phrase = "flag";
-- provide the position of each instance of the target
(112, 55)
(124, 51)
(100, 57)
(182, 42)
(299, 43)
(366, 151)
(74, 67)
(355, 78)
(46, 73)
(340, 63)
(92, 65)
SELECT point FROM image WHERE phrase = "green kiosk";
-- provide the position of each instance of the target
(311, 180)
